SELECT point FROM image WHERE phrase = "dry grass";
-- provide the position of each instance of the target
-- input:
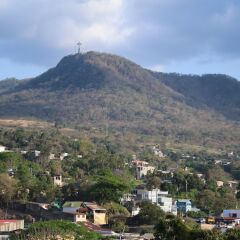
(24, 123)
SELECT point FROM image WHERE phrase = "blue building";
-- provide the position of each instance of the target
(184, 205)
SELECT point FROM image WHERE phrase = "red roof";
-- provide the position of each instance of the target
(92, 227)
(8, 220)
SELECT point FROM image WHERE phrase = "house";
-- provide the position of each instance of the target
(142, 168)
(57, 180)
(219, 184)
(231, 213)
(184, 205)
(155, 196)
(201, 177)
(7, 226)
(166, 173)
(94, 213)
(135, 211)
(81, 215)
(2, 148)
(226, 163)
(36, 153)
(232, 184)
(52, 156)
(230, 154)
(165, 203)
(127, 198)
(71, 207)
(23, 152)
(75, 217)
(63, 155)
(157, 152)
(218, 162)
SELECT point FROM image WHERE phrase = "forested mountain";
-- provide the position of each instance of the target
(217, 91)
(107, 95)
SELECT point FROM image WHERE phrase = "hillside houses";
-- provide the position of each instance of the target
(87, 211)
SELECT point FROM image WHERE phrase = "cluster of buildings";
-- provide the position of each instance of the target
(159, 198)
(155, 196)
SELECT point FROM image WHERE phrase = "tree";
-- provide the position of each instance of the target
(233, 234)
(119, 226)
(206, 200)
(9, 160)
(56, 230)
(171, 229)
(108, 187)
(8, 188)
(198, 234)
(149, 214)
(153, 182)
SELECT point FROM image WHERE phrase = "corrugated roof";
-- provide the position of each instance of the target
(73, 204)
(94, 206)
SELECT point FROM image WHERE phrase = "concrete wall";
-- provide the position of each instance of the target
(99, 218)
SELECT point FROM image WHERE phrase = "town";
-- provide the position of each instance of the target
(112, 195)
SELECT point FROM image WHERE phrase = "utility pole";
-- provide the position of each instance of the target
(186, 182)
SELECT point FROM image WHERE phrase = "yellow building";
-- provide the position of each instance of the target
(97, 214)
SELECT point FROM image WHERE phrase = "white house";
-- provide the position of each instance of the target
(165, 203)
(57, 180)
(232, 213)
(156, 196)
(219, 184)
(37, 153)
(78, 217)
(2, 148)
(63, 155)
(135, 211)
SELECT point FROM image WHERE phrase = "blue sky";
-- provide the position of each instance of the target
(186, 36)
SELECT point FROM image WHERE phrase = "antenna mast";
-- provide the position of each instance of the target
(79, 47)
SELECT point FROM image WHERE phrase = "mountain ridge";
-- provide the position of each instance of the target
(92, 90)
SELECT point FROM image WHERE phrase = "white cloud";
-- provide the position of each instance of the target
(57, 25)
(150, 32)
(158, 68)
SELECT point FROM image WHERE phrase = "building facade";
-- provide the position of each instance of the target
(184, 205)
(156, 196)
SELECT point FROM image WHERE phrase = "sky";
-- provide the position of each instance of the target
(185, 36)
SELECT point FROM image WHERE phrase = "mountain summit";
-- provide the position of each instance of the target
(92, 90)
